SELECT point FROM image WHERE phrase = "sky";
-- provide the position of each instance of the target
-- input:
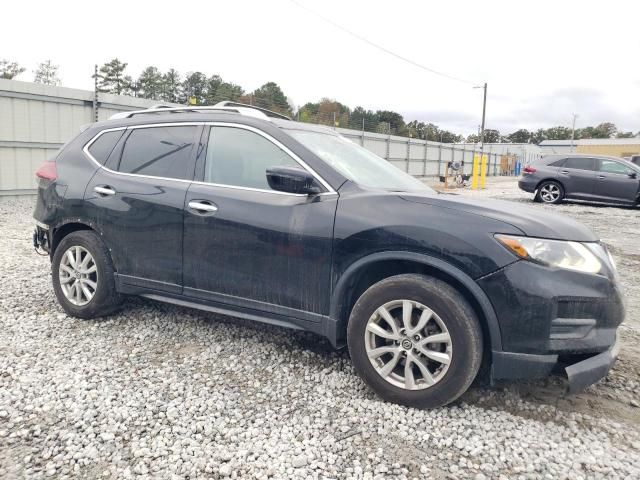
(543, 61)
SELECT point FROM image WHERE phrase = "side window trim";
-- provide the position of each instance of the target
(198, 171)
(200, 168)
(119, 148)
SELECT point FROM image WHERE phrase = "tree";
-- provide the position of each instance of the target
(492, 136)
(359, 114)
(150, 83)
(111, 78)
(10, 70)
(218, 90)
(520, 136)
(171, 86)
(396, 121)
(557, 133)
(473, 138)
(47, 73)
(195, 85)
(271, 97)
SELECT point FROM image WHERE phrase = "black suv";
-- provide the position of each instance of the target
(233, 210)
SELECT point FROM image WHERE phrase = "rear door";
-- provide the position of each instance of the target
(578, 175)
(251, 247)
(616, 181)
(137, 201)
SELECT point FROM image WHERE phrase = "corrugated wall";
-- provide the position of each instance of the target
(36, 120)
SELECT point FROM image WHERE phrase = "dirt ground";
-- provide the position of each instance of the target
(617, 396)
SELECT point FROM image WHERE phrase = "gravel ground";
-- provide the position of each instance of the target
(159, 391)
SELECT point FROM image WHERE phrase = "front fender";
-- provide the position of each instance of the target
(340, 291)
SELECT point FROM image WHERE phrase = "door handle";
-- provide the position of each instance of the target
(104, 191)
(564, 172)
(601, 177)
(202, 206)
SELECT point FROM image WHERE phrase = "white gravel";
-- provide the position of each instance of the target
(164, 392)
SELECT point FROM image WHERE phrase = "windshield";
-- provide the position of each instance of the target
(357, 163)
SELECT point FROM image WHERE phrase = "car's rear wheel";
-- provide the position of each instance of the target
(83, 276)
(415, 341)
(550, 192)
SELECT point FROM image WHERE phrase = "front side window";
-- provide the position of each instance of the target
(239, 157)
(580, 163)
(159, 152)
(611, 166)
(104, 145)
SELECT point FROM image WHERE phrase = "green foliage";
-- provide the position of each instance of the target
(604, 130)
(271, 97)
(150, 84)
(520, 136)
(10, 70)
(47, 73)
(171, 86)
(195, 85)
(111, 78)
(625, 135)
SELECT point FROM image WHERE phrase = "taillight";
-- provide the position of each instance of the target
(529, 170)
(47, 171)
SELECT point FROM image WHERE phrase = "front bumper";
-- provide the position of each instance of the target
(552, 318)
(580, 374)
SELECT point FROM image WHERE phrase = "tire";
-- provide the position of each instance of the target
(549, 192)
(450, 310)
(104, 299)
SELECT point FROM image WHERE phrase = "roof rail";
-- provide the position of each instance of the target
(225, 106)
(268, 113)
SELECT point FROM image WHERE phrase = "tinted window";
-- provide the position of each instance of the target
(241, 158)
(104, 145)
(580, 163)
(159, 152)
(611, 166)
(558, 163)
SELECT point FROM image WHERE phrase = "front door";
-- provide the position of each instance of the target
(137, 203)
(616, 182)
(248, 246)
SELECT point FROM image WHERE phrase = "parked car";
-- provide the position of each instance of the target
(239, 211)
(556, 177)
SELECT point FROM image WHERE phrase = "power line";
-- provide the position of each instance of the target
(380, 47)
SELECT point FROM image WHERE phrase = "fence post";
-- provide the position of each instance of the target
(388, 139)
(439, 159)
(424, 165)
(362, 137)
(408, 153)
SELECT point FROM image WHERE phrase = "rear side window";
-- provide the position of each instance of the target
(558, 163)
(159, 152)
(580, 163)
(240, 157)
(104, 145)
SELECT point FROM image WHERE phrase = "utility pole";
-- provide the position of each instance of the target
(484, 112)
(573, 130)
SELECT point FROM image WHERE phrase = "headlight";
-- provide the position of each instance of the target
(555, 253)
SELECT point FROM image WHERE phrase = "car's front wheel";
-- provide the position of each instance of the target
(83, 276)
(550, 192)
(415, 341)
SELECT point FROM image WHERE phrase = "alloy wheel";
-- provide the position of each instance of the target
(408, 344)
(549, 193)
(78, 274)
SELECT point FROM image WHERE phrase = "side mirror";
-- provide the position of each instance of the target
(292, 180)
(633, 175)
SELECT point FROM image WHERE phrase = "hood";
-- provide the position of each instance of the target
(533, 222)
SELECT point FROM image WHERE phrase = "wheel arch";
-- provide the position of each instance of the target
(375, 267)
(65, 228)
(551, 179)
